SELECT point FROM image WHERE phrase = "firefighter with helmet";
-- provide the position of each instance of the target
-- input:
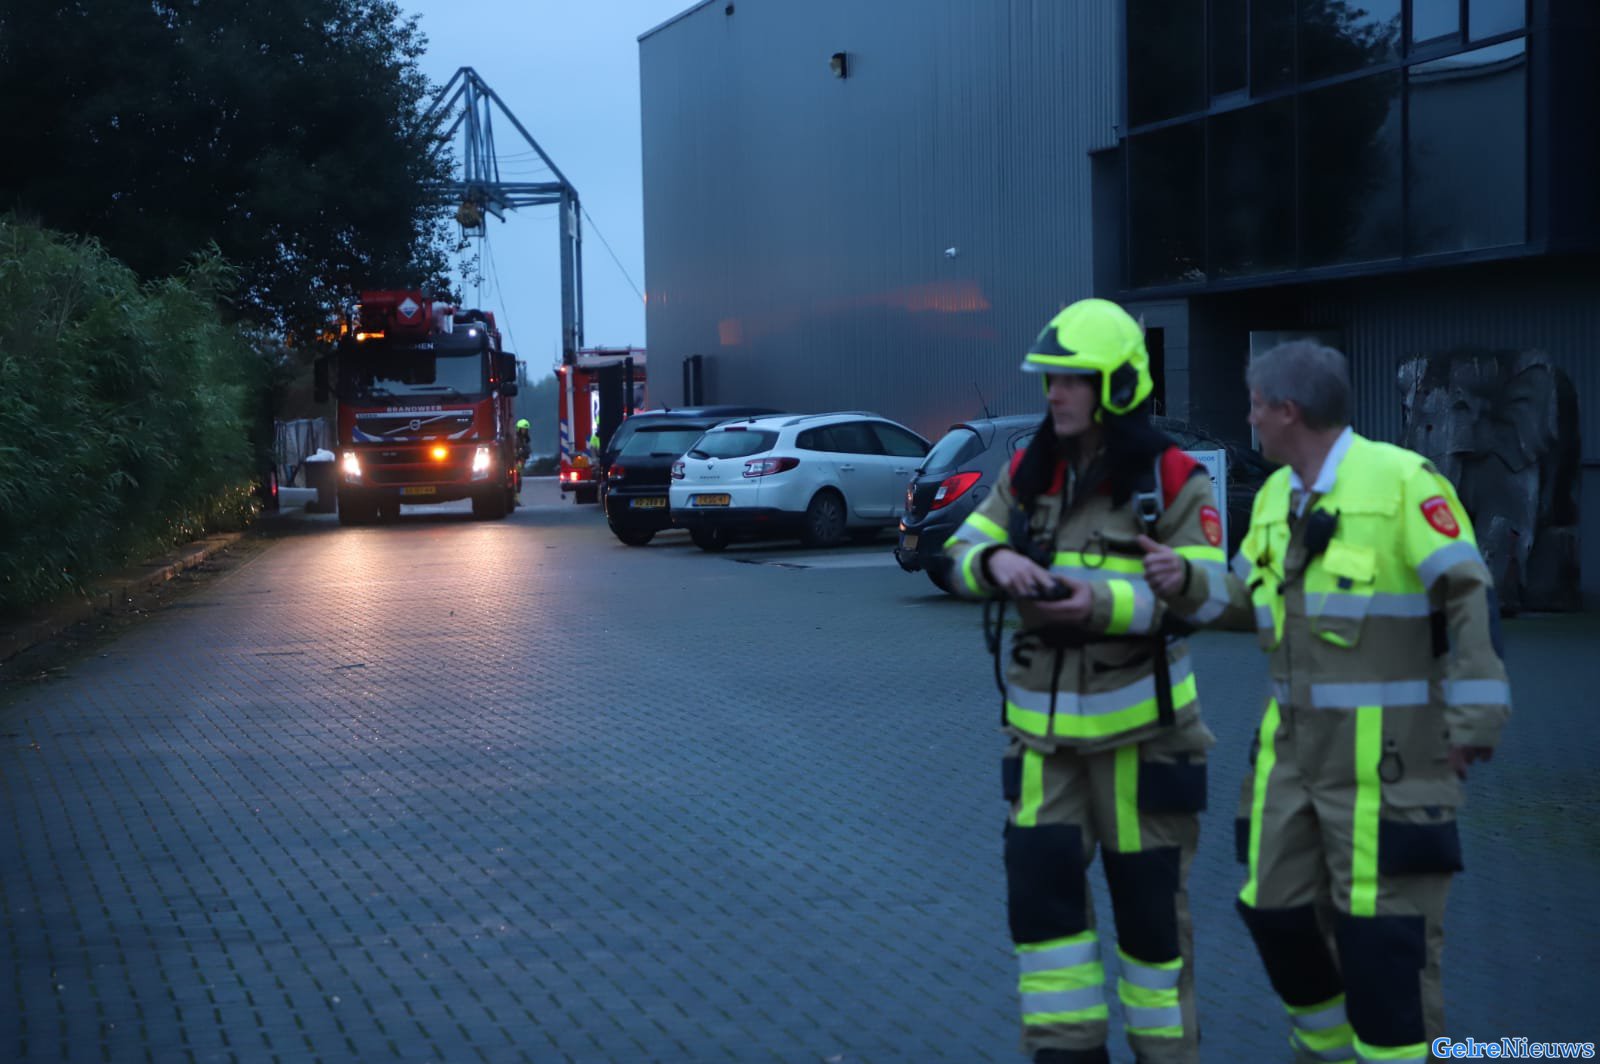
(524, 453)
(1363, 581)
(524, 441)
(1106, 747)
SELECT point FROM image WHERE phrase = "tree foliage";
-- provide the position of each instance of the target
(124, 409)
(288, 135)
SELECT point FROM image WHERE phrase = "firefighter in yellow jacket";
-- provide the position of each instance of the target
(1106, 748)
(1361, 577)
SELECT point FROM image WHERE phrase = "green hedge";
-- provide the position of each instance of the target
(125, 412)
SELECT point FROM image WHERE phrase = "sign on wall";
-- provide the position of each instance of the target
(1216, 467)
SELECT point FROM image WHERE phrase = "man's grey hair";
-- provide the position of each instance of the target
(1313, 377)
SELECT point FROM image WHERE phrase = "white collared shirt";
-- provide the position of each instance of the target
(1325, 478)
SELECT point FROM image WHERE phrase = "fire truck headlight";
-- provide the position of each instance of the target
(351, 466)
(480, 464)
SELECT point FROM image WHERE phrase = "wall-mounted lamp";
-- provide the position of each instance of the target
(839, 64)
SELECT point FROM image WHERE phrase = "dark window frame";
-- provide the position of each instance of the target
(1406, 56)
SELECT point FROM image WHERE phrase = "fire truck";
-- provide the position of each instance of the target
(423, 392)
(600, 388)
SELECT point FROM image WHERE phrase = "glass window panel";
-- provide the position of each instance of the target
(1486, 18)
(1252, 193)
(1166, 59)
(1431, 19)
(1339, 36)
(1271, 45)
(1166, 205)
(1230, 59)
(1468, 180)
(896, 441)
(1350, 172)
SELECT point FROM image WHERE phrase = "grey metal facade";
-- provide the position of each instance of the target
(797, 223)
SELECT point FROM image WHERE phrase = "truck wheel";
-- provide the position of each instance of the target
(587, 494)
(388, 511)
(710, 539)
(824, 521)
(356, 509)
(490, 505)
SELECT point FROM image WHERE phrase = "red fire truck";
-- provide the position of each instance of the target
(603, 386)
(423, 392)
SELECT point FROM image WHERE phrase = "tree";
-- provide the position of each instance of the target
(289, 135)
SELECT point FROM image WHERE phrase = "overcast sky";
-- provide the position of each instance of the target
(569, 71)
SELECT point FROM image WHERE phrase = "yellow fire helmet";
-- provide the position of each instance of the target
(1096, 336)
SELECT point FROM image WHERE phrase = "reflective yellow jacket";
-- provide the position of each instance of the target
(1101, 694)
(1394, 613)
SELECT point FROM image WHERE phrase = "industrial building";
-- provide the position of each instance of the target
(877, 205)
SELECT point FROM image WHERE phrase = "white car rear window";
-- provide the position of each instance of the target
(733, 443)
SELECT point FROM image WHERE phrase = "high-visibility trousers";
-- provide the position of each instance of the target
(1139, 804)
(1349, 855)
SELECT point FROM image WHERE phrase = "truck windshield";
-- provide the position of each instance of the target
(412, 373)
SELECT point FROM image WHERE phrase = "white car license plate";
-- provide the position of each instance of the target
(709, 500)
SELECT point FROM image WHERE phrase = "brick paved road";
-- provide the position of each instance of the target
(353, 802)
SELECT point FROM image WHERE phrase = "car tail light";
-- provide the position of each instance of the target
(952, 488)
(677, 470)
(616, 472)
(765, 467)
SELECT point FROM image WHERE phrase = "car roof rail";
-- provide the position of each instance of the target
(832, 413)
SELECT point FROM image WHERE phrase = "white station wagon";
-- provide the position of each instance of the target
(821, 477)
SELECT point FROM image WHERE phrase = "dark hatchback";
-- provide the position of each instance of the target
(965, 464)
(957, 475)
(638, 465)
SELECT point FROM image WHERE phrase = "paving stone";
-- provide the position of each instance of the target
(454, 790)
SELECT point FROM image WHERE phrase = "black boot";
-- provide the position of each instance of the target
(1097, 1055)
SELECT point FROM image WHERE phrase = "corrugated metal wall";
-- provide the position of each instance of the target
(1552, 307)
(796, 224)
(1549, 305)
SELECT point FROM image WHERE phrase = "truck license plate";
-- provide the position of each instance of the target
(709, 500)
(655, 502)
(420, 489)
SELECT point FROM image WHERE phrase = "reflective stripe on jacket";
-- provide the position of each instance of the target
(1364, 622)
(1104, 690)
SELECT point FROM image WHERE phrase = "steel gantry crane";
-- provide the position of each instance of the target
(466, 105)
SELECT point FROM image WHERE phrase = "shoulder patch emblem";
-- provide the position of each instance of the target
(1437, 511)
(1211, 525)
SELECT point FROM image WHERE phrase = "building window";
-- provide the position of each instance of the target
(1341, 36)
(1251, 168)
(1271, 45)
(1230, 50)
(1433, 20)
(1166, 205)
(1350, 172)
(1166, 59)
(1468, 180)
(1487, 18)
